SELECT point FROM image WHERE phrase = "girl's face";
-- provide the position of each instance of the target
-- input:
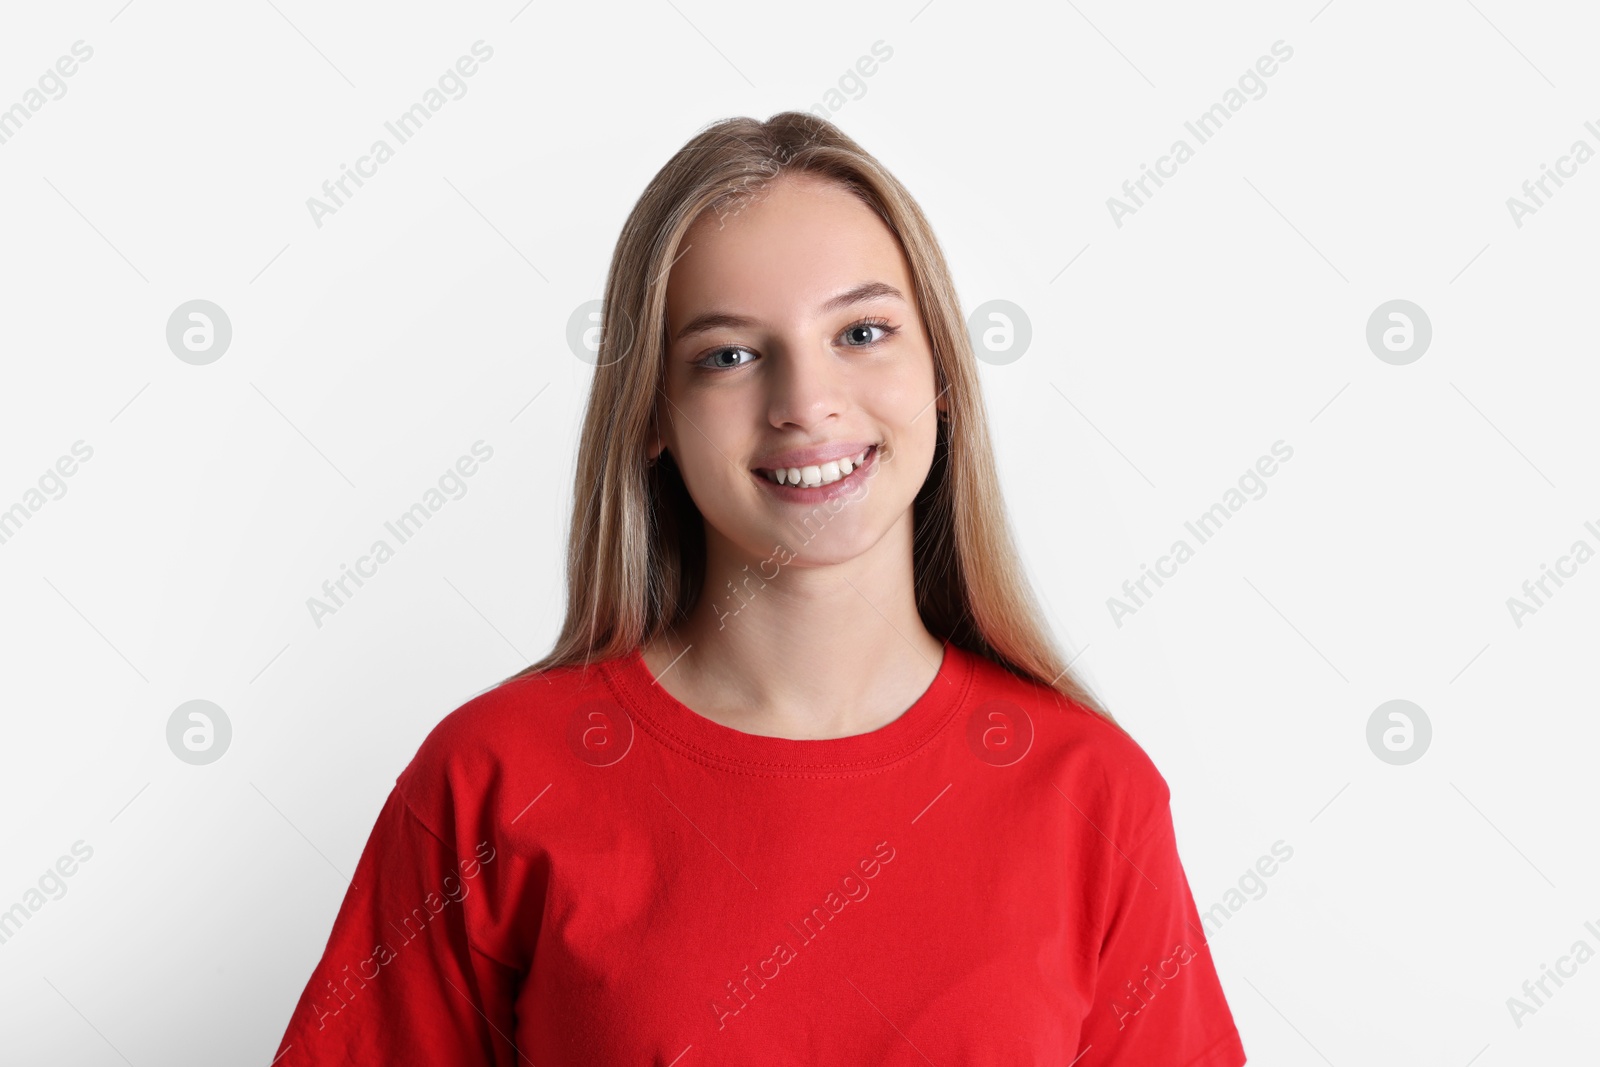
(792, 328)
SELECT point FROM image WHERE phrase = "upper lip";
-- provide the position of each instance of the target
(814, 456)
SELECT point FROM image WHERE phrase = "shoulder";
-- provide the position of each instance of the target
(494, 744)
(1091, 761)
(485, 723)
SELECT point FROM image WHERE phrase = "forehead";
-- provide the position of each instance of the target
(797, 242)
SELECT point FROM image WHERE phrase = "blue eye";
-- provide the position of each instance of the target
(715, 352)
(870, 324)
(710, 360)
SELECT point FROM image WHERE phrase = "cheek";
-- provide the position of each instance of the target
(914, 407)
(912, 378)
(712, 478)
(916, 431)
(706, 472)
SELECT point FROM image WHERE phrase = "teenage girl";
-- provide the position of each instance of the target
(804, 779)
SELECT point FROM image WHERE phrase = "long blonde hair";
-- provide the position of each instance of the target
(636, 546)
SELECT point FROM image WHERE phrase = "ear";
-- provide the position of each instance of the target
(662, 420)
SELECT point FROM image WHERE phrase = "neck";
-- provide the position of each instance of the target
(786, 647)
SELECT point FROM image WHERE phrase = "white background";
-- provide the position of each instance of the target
(1168, 354)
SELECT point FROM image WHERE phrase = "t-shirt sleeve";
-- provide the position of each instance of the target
(1158, 1001)
(401, 981)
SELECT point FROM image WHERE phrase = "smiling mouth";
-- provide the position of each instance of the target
(818, 475)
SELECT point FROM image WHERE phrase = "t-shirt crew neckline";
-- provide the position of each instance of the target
(693, 735)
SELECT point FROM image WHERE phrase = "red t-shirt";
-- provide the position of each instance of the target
(578, 869)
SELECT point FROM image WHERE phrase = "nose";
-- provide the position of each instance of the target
(807, 384)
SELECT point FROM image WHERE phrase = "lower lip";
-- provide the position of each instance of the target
(799, 494)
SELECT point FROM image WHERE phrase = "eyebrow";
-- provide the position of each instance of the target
(714, 320)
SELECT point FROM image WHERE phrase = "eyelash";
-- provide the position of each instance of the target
(882, 324)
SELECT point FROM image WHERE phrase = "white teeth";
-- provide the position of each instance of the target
(820, 474)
